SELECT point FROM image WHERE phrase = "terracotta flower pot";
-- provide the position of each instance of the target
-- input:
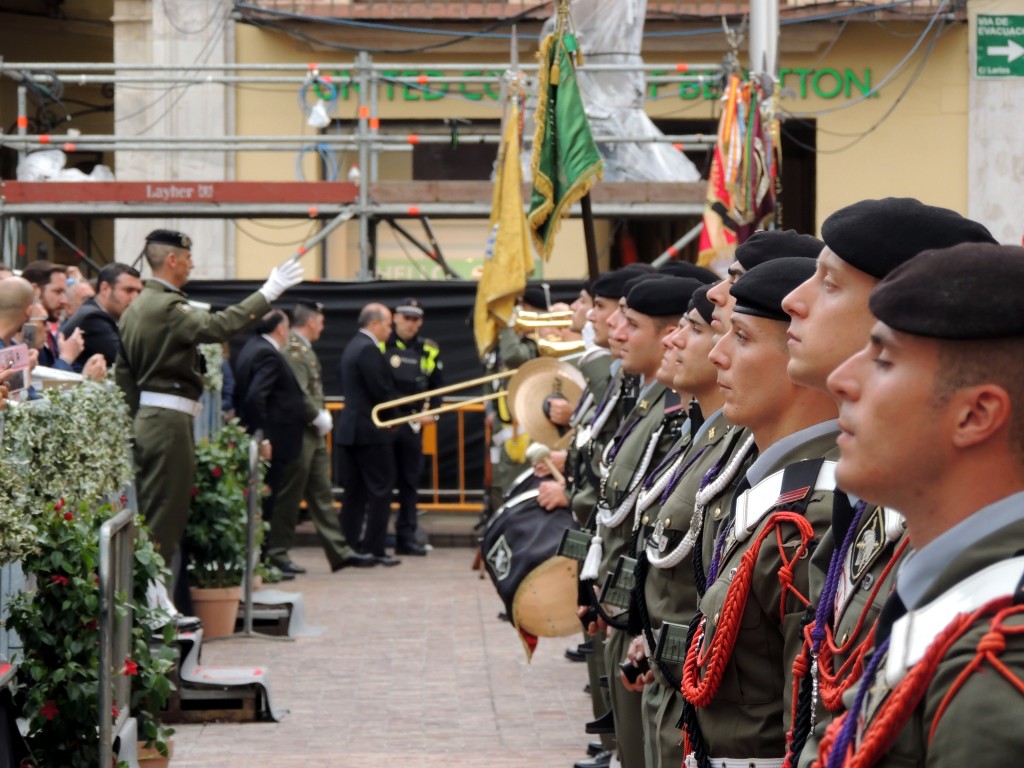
(148, 757)
(217, 609)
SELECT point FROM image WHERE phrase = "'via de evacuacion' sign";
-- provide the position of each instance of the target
(1000, 46)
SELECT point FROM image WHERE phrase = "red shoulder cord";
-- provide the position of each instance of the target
(700, 692)
(833, 684)
(896, 710)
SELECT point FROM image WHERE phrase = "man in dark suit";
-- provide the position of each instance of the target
(365, 453)
(268, 397)
(119, 285)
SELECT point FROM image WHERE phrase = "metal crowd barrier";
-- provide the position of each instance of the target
(117, 560)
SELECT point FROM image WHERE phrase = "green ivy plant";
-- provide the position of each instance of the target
(215, 536)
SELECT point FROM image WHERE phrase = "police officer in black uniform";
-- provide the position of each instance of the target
(416, 366)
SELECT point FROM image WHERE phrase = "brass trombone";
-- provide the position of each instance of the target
(422, 396)
(526, 322)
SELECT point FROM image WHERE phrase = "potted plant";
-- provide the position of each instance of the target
(215, 537)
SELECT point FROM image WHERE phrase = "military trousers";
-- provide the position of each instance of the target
(165, 467)
(629, 726)
(307, 477)
(598, 695)
(663, 741)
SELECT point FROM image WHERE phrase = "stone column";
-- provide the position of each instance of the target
(176, 35)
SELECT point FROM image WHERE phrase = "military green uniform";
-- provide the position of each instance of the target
(867, 575)
(307, 476)
(980, 725)
(158, 369)
(670, 593)
(748, 716)
(633, 450)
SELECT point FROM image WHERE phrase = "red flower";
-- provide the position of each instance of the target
(49, 709)
(216, 471)
(195, 490)
(113, 710)
(130, 667)
(245, 493)
(59, 579)
(232, 444)
(68, 516)
(59, 505)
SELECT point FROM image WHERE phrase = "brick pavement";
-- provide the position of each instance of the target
(413, 669)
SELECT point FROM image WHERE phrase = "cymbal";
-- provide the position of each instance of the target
(527, 389)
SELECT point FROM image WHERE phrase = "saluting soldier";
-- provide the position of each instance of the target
(416, 366)
(652, 308)
(158, 369)
(309, 475)
(854, 567)
(738, 671)
(943, 682)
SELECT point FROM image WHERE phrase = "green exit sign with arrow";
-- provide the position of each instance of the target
(1000, 46)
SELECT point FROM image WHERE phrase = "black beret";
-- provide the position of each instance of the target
(409, 307)
(662, 297)
(701, 303)
(686, 269)
(169, 237)
(535, 296)
(876, 236)
(766, 245)
(760, 291)
(969, 291)
(612, 285)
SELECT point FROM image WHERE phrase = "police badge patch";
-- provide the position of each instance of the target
(395, 361)
(500, 559)
(868, 544)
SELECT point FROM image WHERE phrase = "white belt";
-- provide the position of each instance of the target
(170, 402)
(737, 762)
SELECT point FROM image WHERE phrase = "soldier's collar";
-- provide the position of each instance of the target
(163, 284)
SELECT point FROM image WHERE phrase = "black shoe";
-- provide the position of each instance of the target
(387, 560)
(355, 560)
(600, 760)
(603, 681)
(586, 690)
(594, 748)
(289, 567)
(412, 548)
(573, 654)
(604, 724)
(585, 648)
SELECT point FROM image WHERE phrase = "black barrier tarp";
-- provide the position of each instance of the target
(448, 306)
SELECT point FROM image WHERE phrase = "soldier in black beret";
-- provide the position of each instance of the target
(757, 249)
(829, 322)
(932, 413)
(686, 269)
(760, 532)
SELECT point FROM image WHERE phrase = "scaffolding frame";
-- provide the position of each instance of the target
(370, 202)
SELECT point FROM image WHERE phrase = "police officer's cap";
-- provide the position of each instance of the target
(612, 285)
(776, 244)
(170, 237)
(876, 236)
(760, 291)
(409, 307)
(663, 296)
(971, 291)
(686, 269)
(701, 303)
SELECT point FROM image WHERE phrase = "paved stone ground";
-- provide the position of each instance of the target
(413, 669)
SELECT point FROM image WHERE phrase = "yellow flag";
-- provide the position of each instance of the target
(507, 256)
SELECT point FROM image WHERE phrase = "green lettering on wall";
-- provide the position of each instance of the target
(411, 93)
(471, 95)
(821, 74)
(849, 79)
(493, 94)
(434, 91)
(652, 92)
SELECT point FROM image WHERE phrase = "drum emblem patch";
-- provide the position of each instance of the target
(500, 559)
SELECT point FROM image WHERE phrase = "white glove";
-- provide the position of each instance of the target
(588, 336)
(281, 279)
(323, 422)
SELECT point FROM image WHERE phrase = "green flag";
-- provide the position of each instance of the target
(565, 162)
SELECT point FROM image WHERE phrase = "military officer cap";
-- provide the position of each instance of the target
(535, 296)
(410, 307)
(876, 236)
(760, 291)
(170, 237)
(971, 291)
(612, 285)
(701, 303)
(776, 244)
(663, 296)
(686, 269)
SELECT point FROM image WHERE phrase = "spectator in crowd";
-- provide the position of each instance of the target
(268, 398)
(416, 367)
(365, 453)
(78, 291)
(119, 285)
(16, 301)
